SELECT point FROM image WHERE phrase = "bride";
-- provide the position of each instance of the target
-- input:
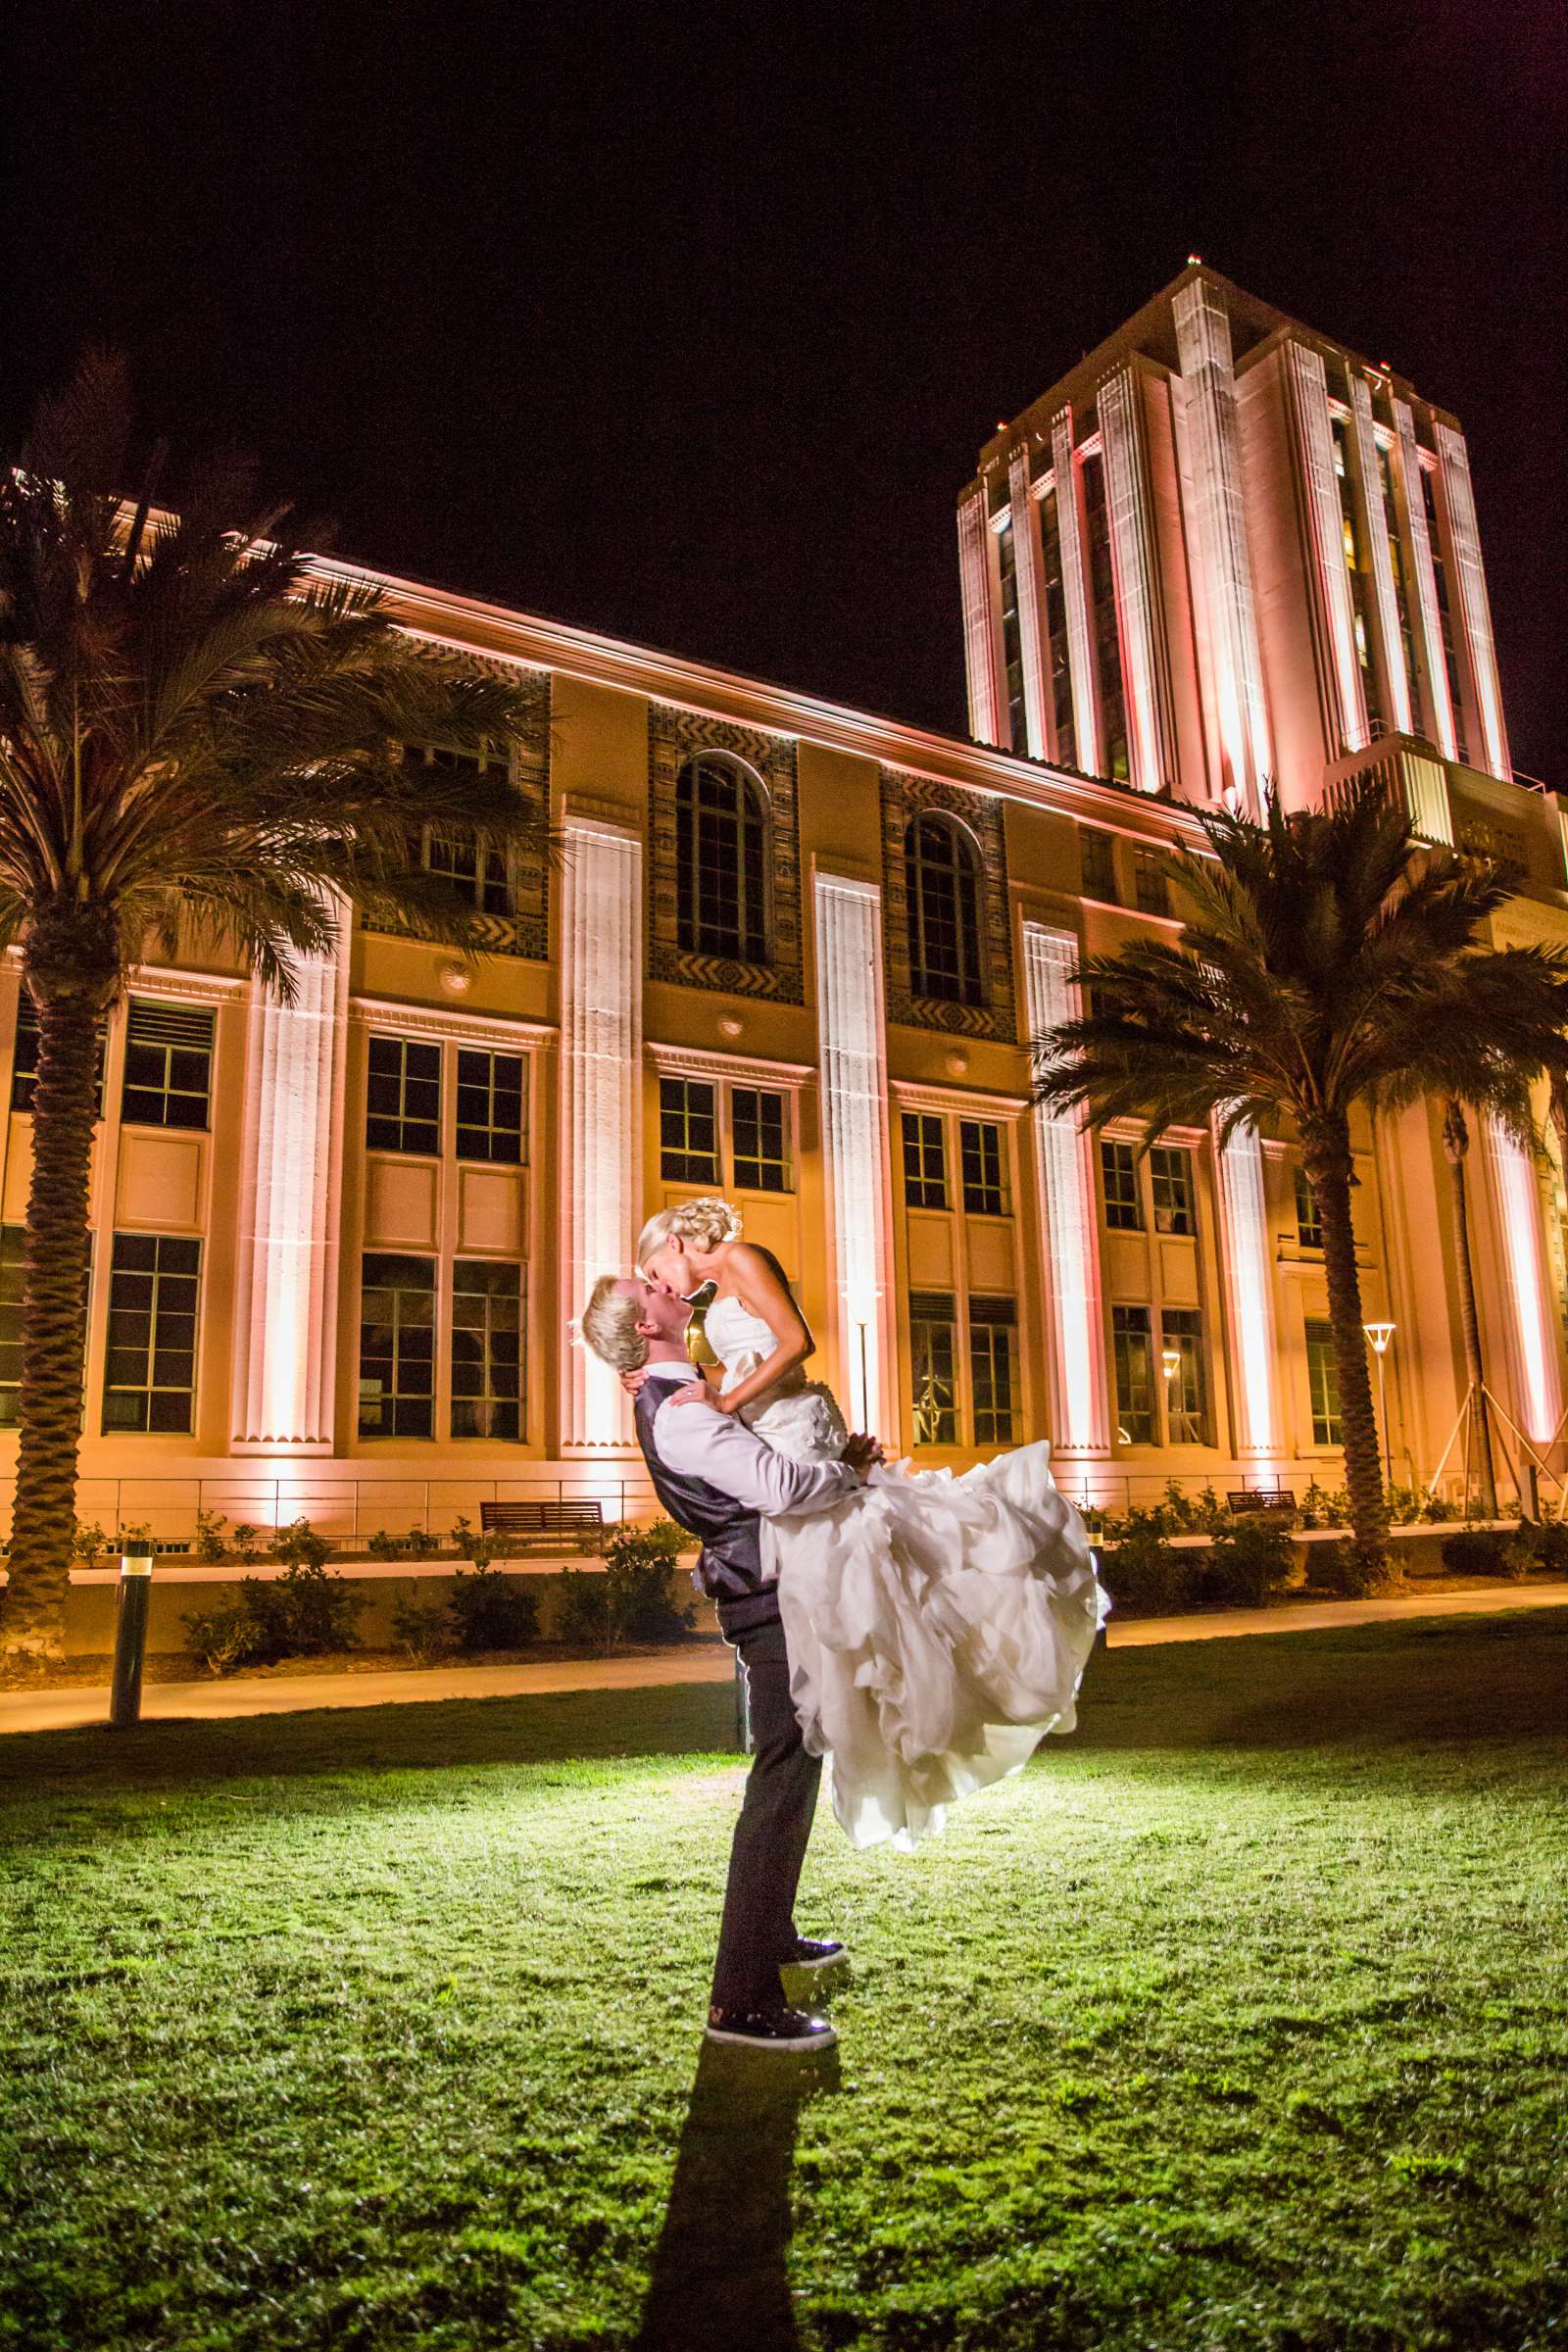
(936, 1626)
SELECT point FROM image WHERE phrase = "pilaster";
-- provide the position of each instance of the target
(1065, 1172)
(1075, 597)
(1031, 601)
(1369, 481)
(1535, 1369)
(1341, 684)
(1135, 570)
(1474, 609)
(851, 1039)
(1434, 666)
(980, 651)
(1245, 1258)
(601, 1098)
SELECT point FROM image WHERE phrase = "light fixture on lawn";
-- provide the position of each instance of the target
(1378, 1335)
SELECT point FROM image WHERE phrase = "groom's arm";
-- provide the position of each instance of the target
(716, 1446)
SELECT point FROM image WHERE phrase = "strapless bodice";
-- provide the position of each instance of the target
(742, 1341)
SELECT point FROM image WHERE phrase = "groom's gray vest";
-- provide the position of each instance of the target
(729, 1567)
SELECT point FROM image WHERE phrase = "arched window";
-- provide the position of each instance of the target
(944, 874)
(722, 859)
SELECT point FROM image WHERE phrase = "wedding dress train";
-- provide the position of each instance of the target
(938, 1624)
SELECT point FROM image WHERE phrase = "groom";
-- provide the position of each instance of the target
(713, 1476)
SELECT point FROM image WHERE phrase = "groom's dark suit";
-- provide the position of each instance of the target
(776, 1821)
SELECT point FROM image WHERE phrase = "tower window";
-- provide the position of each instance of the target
(721, 859)
(943, 879)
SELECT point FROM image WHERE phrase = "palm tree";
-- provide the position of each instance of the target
(1329, 961)
(199, 744)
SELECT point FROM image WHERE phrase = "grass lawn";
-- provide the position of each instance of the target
(1240, 2020)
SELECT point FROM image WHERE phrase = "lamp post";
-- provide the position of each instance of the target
(131, 1633)
(1380, 1334)
(1171, 1363)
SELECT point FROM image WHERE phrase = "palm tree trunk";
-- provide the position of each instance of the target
(53, 1328)
(1325, 1154)
(1456, 1144)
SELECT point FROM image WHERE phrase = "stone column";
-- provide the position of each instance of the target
(979, 621)
(290, 1180)
(1246, 1260)
(601, 1098)
(1308, 393)
(1221, 555)
(1434, 666)
(1075, 597)
(1535, 1377)
(1065, 1174)
(1369, 479)
(1474, 612)
(1031, 601)
(1135, 570)
(850, 1036)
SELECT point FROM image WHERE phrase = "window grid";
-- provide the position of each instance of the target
(25, 1057)
(721, 859)
(1170, 1175)
(1119, 1169)
(759, 1140)
(490, 1106)
(1097, 852)
(1132, 1347)
(487, 1349)
(688, 1131)
(1323, 1385)
(925, 1161)
(944, 912)
(1309, 1225)
(397, 1346)
(1184, 1377)
(984, 1166)
(150, 1368)
(992, 1369)
(1151, 883)
(481, 876)
(169, 1065)
(933, 1352)
(403, 1095)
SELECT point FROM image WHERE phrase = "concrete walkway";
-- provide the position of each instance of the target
(707, 1661)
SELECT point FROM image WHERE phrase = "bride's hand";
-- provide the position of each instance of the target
(696, 1392)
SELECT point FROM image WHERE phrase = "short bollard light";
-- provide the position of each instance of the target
(130, 1635)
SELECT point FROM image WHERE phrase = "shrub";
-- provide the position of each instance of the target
(420, 1545)
(1325, 1506)
(583, 1617)
(1341, 1569)
(480, 1549)
(425, 1629)
(210, 1525)
(1552, 1546)
(1146, 1571)
(222, 1638)
(1487, 1551)
(304, 1613)
(298, 1545)
(87, 1540)
(246, 1542)
(382, 1546)
(1436, 1508)
(1246, 1562)
(491, 1610)
(635, 1599)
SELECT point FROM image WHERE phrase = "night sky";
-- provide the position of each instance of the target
(687, 325)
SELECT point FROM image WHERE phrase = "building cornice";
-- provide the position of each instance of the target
(740, 1069)
(964, 1101)
(435, 1022)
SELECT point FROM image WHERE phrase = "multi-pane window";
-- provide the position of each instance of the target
(721, 860)
(397, 1346)
(760, 1140)
(1439, 581)
(992, 1369)
(1323, 1385)
(1181, 1330)
(1119, 1169)
(1065, 742)
(1098, 851)
(1150, 882)
(13, 1256)
(1011, 637)
(1308, 1223)
(933, 1354)
(1107, 643)
(486, 1349)
(1133, 1351)
(984, 1165)
(926, 1165)
(1357, 568)
(490, 1106)
(481, 876)
(169, 1065)
(150, 1370)
(1402, 593)
(1171, 1176)
(688, 1131)
(25, 1057)
(943, 879)
(403, 1095)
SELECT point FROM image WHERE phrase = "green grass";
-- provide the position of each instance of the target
(1242, 2020)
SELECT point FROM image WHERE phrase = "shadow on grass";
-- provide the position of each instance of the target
(1422, 1680)
(720, 2274)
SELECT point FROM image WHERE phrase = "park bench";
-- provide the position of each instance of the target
(1274, 1503)
(538, 1522)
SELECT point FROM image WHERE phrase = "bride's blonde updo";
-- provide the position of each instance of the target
(704, 1224)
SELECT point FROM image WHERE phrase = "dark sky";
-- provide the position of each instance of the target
(687, 323)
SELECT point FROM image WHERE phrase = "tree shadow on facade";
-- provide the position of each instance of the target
(721, 2271)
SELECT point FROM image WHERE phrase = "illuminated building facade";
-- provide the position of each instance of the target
(793, 954)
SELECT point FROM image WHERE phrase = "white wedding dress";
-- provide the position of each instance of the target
(938, 1625)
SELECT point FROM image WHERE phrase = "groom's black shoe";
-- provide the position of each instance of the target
(778, 2029)
(811, 1951)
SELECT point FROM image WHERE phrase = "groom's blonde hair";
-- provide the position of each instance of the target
(610, 1323)
(706, 1223)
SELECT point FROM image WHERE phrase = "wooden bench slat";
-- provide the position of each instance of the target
(539, 1518)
